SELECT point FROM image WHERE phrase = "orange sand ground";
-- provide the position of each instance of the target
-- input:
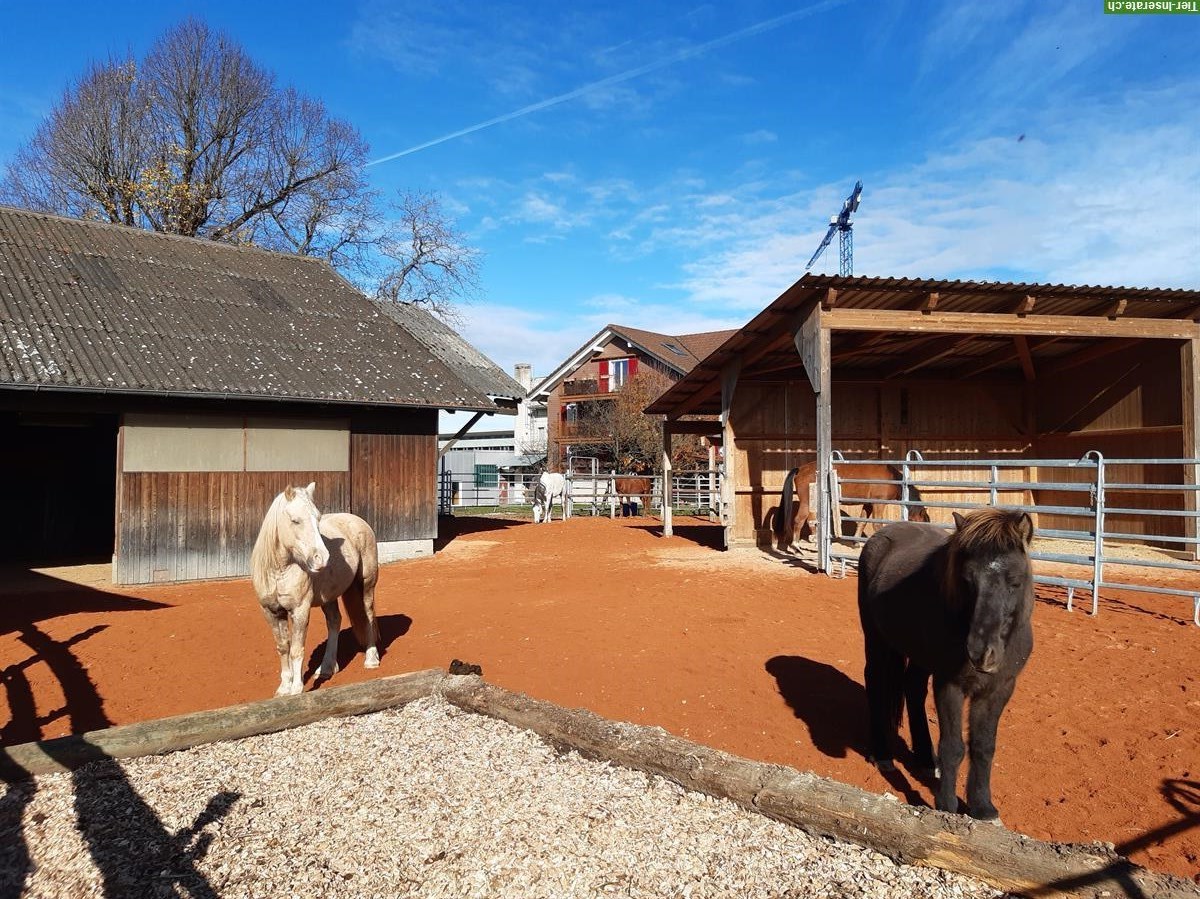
(743, 651)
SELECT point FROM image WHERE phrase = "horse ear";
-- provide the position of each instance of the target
(289, 493)
(1025, 526)
(959, 520)
(312, 485)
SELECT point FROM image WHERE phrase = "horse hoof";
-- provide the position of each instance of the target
(326, 674)
(372, 659)
(989, 817)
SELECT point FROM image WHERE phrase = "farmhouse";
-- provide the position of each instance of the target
(878, 367)
(157, 391)
(575, 392)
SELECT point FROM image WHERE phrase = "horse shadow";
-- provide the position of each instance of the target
(834, 707)
(391, 628)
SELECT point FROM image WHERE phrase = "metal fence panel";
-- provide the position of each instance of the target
(1094, 513)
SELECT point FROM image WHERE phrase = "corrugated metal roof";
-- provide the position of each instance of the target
(477, 369)
(697, 392)
(94, 306)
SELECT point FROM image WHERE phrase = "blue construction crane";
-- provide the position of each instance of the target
(841, 223)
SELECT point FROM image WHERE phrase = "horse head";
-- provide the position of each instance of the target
(989, 574)
(296, 522)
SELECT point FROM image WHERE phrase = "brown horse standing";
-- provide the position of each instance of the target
(639, 489)
(794, 505)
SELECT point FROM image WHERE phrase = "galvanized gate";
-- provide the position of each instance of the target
(1171, 520)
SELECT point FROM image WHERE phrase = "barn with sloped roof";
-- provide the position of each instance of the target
(157, 391)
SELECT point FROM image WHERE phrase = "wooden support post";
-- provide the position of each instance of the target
(812, 341)
(667, 491)
(729, 377)
(714, 498)
(453, 440)
(1189, 365)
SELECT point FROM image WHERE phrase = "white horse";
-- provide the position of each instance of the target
(549, 486)
(302, 558)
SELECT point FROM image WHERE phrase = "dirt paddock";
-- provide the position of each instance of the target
(746, 652)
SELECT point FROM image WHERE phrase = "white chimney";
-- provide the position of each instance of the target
(523, 372)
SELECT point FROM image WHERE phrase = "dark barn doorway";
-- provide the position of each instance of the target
(61, 474)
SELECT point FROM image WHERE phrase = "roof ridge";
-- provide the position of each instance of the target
(161, 235)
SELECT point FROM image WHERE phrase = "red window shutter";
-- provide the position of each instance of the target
(633, 366)
(603, 387)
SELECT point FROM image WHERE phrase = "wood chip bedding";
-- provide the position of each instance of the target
(424, 801)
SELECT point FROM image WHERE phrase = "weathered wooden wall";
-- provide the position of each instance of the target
(194, 525)
(393, 484)
(1127, 406)
(774, 426)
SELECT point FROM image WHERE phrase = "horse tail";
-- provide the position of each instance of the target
(359, 598)
(917, 512)
(783, 526)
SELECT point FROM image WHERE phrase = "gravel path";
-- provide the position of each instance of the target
(425, 801)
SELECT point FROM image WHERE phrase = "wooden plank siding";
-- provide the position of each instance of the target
(774, 425)
(194, 525)
(393, 481)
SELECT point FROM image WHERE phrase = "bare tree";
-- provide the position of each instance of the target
(197, 140)
(617, 429)
(427, 260)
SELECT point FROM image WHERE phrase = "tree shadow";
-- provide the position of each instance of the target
(129, 844)
(1184, 797)
(42, 598)
(834, 707)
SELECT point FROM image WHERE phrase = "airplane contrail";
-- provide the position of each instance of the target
(748, 31)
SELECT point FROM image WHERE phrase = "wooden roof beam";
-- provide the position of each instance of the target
(1022, 345)
(1117, 309)
(1088, 354)
(949, 346)
(927, 303)
(980, 323)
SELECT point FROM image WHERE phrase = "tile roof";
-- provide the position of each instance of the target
(94, 306)
(694, 347)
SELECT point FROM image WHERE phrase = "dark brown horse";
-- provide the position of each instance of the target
(956, 608)
(794, 505)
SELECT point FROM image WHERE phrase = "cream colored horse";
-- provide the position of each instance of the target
(303, 558)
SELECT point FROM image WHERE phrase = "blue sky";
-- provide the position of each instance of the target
(672, 166)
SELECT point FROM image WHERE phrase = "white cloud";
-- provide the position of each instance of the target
(1093, 196)
(761, 136)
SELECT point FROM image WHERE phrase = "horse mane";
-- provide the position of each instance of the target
(983, 532)
(263, 554)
